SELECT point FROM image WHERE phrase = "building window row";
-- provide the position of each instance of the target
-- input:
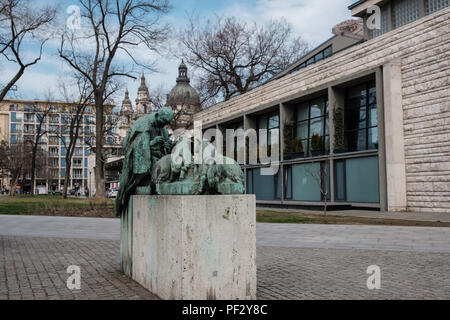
(395, 14)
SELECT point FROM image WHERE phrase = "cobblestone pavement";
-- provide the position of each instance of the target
(35, 268)
(306, 273)
(293, 261)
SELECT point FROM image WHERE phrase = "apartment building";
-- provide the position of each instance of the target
(20, 120)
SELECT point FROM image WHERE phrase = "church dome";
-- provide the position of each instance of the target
(183, 93)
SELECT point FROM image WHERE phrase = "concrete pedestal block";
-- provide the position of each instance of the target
(191, 247)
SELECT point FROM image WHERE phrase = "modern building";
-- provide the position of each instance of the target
(373, 114)
(19, 121)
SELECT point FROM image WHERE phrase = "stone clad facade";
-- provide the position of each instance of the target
(420, 52)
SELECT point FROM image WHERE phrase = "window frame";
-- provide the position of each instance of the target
(368, 85)
(324, 118)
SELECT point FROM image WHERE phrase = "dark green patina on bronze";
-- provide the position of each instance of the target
(153, 165)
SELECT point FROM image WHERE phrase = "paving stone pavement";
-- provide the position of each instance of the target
(293, 261)
(36, 268)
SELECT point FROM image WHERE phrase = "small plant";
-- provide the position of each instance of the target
(292, 145)
(295, 145)
(338, 120)
(316, 142)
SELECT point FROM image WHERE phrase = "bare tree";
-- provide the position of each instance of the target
(39, 131)
(21, 24)
(73, 121)
(18, 163)
(4, 159)
(321, 176)
(233, 57)
(111, 27)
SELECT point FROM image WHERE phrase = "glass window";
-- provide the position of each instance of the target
(288, 182)
(318, 56)
(310, 61)
(356, 180)
(304, 186)
(311, 129)
(54, 118)
(435, 5)
(360, 118)
(361, 176)
(28, 117)
(16, 127)
(303, 111)
(405, 11)
(384, 23)
(271, 122)
(327, 52)
(237, 141)
(16, 116)
(265, 187)
(28, 107)
(77, 162)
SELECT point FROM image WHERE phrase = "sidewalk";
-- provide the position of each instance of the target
(413, 216)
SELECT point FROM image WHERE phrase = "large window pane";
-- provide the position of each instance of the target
(360, 116)
(362, 180)
(303, 111)
(302, 130)
(340, 179)
(316, 127)
(264, 186)
(373, 138)
(274, 122)
(304, 186)
(317, 107)
(288, 182)
(249, 181)
(373, 118)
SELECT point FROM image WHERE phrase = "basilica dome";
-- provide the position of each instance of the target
(183, 94)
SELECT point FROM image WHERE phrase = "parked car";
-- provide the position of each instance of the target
(112, 193)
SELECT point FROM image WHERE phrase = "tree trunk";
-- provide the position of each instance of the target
(66, 178)
(33, 167)
(99, 127)
(12, 191)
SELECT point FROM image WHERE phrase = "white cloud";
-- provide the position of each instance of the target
(311, 19)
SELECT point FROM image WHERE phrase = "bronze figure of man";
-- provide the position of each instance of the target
(146, 142)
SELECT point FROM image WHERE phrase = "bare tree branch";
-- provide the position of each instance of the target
(110, 27)
(20, 23)
(233, 57)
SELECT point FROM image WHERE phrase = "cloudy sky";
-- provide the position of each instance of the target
(311, 19)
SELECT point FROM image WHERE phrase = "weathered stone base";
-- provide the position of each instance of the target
(191, 247)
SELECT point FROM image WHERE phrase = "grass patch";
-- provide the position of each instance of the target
(56, 205)
(308, 218)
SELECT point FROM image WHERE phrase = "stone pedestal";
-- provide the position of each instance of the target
(191, 247)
